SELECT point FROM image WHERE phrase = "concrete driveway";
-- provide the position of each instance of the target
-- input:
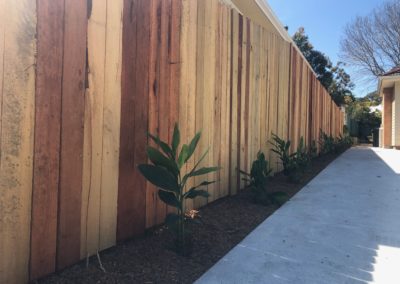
(343, 227)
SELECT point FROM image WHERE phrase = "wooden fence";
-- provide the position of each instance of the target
(81, 82)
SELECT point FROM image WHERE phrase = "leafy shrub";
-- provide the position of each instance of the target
(334, 145)
(167, 175)
(258, 179)
(348, 141)
(326, 142)
(302, 156)
(282, 149)
(295, 164)
(313, 152)
(259, 173)
(342, 143)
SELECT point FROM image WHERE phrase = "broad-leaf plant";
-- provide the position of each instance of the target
(168, 173)
(257, 181)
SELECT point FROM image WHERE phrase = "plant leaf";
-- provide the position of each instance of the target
(160, 177)
(184, 179)
(244, 173)
(169, 198)
(158, 159)
(200, 160)
(193, 145)
(176, 137)
(287, 146)
(183, 155)
(204, 183)
(204, 171)
(193, 193)
(164, 146)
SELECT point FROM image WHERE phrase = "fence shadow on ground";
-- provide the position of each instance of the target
(343, 227)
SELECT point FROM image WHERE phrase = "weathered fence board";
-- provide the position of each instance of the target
(234, 103)
(71, 144)
(50, 15)
(111, 124)
(94, 118)
(134, 117)
(17, 100)
(187, 88)
(107, 72)
(102, 127)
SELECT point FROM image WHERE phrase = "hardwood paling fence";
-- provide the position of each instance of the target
(81, 84)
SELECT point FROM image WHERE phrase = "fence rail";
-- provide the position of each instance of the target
(81, 82)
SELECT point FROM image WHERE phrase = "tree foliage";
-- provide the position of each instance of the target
(341, 85)
(319, 62)
(333, 78)
(360, 111)
(373, 98)
(372, 42)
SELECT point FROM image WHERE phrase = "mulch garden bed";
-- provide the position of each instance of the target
(149, 259)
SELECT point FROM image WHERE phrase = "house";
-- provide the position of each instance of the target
(389, 89)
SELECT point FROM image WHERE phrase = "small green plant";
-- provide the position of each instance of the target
(258, 179)
(166, 173)
(313, 152)
(334, 145)
(326, 142)
(295, 164)
(282, 149)
(259, 174)
(341, 143)
(302, 157)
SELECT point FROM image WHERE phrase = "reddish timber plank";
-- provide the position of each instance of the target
(141, 112)
(174, 69)
(151, 192)
(73, 106)
(163, 89)
(310, 109)
(47, 137)
(174, 62)
(247, 96)
(231, 74)
(134, 118)
(239, 94)
(300, 96)
(289, 101)
(293, 98)
(128, 216)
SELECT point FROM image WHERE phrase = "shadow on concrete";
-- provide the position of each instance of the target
(342, 227)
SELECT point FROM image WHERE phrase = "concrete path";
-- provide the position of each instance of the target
(343, 227)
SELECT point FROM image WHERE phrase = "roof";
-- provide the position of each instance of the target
(393, 71)
(260, 12)
(388, 79)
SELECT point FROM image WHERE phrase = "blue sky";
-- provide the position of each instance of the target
(324, 21)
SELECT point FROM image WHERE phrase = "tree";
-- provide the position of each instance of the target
(372, 42)
(319, 62)
(360, 111)
(374, 98)
(333, 78)
(341, 85)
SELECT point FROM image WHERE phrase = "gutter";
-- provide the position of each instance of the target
(382, 78)
(269, 13)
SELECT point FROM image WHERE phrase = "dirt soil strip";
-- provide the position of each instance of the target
(149, 259)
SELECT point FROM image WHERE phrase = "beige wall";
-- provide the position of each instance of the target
(396, 115)
(387, 115)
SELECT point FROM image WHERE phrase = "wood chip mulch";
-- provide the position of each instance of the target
(149, 259)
